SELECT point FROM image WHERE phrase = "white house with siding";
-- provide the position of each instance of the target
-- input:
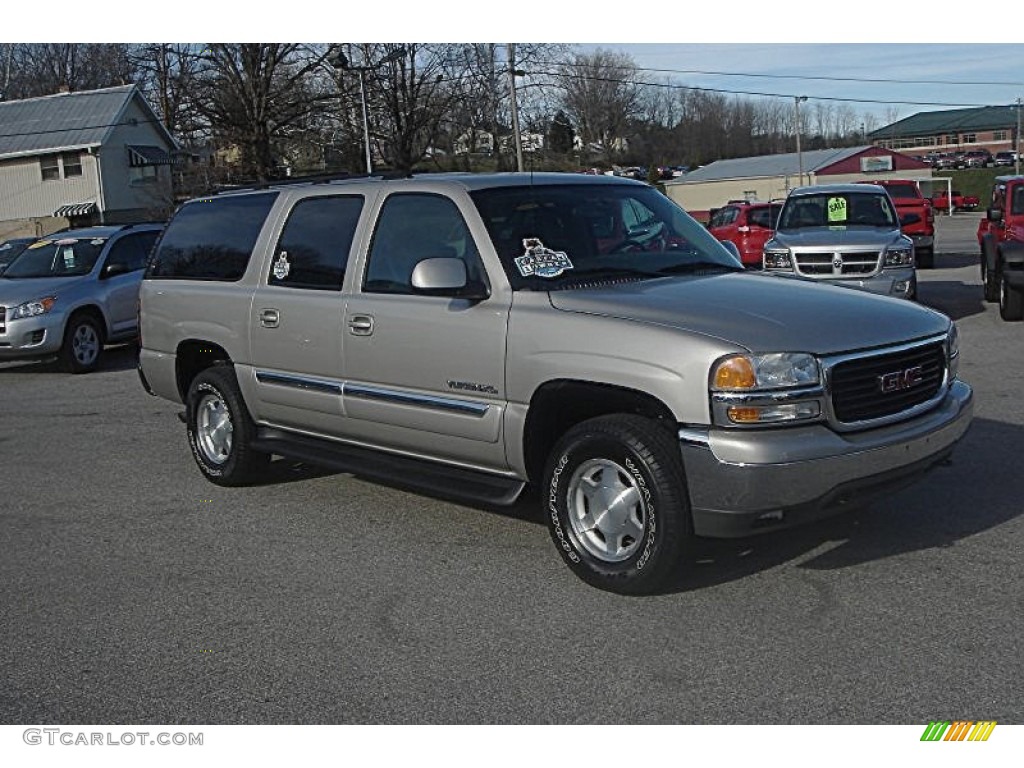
(88, 157)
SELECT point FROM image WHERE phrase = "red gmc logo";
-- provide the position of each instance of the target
(900, 380)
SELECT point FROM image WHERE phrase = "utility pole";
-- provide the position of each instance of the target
(515, 106)
(1016, 148)
(799, 154)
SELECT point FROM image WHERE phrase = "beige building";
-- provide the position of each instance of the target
(770, 177)
(82, 158)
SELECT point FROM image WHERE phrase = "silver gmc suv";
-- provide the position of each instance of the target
(848, 234)
(69, 293)
(469, 335)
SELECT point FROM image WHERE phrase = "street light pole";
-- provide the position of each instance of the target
(799, 154)
(517, 135)
(340, 61)
(1016, 149)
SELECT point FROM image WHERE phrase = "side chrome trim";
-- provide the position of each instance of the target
(408, 398)
(299, 382)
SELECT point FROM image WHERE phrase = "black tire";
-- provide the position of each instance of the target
(1011, 301)
(222, 452)
(926, 258)
(82, 346)
(621, 456)
(990, 283)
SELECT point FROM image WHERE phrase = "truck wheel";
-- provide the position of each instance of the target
(1011, 301)
(616, 503)
(926, 258)
(82, 345)
(220, 429)
(990, 281)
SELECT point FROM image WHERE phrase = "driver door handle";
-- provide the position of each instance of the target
(360, 325)
(270, 318)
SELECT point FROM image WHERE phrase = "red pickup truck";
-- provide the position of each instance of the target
(917, 217)
(961, 202)
(1001, 239)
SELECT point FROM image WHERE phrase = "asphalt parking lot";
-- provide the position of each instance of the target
(133, 591)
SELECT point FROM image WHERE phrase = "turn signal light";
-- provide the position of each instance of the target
(735, 373)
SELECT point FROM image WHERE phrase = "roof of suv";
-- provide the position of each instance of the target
(837, 189)
(468, 181)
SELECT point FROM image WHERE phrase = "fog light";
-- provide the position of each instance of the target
(901, 287)
(36, 337)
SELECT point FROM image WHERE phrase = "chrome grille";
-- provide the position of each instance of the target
(837, 264)
(883, 385)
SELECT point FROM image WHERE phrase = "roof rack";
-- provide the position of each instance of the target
(317, 178)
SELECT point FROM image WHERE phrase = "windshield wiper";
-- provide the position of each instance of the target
(697, 266)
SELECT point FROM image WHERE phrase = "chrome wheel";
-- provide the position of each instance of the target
(85, 345)
(606, 509)
(214, 429)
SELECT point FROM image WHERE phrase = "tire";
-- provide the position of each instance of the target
(1011, 301)
(926, 258)
(220, 429)
(634, 547)
(82, 346)
(990, 282)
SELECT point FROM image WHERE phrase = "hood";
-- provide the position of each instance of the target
(837, 238)
(17, 291)
(762, 312)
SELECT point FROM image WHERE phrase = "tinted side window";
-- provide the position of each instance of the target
(314, 246)
(212, 238)
(132, 250)
(413, 227)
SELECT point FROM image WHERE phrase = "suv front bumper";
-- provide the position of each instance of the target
(32, 337)
(748, 481)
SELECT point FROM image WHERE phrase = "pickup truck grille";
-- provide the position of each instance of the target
(883, 385)
(832, 264)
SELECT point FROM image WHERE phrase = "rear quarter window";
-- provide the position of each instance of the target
(211, 238)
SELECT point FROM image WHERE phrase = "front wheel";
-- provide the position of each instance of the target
(616, 503)
(926, 258)
(220, 429)
(1011, 301)
(83, 343)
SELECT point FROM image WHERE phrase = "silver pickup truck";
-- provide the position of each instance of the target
(470, 335)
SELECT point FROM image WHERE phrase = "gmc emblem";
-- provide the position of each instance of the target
(900, 380)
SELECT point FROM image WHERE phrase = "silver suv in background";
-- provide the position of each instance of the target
(70, 293)
(847, 234)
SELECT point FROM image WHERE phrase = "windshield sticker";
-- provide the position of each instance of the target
(97, 241)
(67, 241)
(69, 258)
(40, 244)
(541, 261)
(837, 209)
(281, 266)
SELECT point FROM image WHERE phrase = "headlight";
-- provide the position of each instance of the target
(777, 258)
(899, 256)
(32, 308)
(775, 370)
(953, 350)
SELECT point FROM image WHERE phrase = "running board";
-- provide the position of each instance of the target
(426, 476)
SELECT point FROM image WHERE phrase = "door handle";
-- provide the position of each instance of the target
(360, 325)
(270, 318)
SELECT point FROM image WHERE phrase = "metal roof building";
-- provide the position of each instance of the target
(92, 156)
(770, 177)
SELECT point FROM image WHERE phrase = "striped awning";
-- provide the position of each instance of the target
(141, 155)
(76, 209)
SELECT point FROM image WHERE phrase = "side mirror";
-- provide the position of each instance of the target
(112, 270)
(994, 214)
(910, 218)
(445, 277)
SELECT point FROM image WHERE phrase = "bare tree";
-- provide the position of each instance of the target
(601, 95)
(39, 69)
(169, 74)
(256, 94)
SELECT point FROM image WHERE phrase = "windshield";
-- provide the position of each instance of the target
(838, 209)
(67, 257)
(550, 236)
(902, 190)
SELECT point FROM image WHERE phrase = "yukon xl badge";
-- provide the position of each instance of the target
(897, 381)
(541, 261)
(469, 386)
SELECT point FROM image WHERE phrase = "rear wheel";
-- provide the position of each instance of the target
(220, 429)
(616, 503)
(1011, 301)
